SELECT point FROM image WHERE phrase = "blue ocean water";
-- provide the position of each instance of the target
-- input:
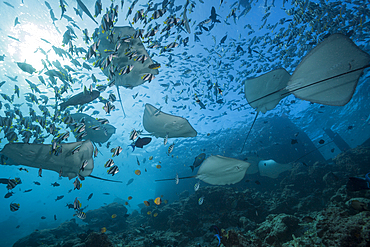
(201, 80)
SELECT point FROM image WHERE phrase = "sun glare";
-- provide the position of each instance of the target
(29, 35)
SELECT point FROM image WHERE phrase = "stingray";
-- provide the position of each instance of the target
(263, 93)
(40, 156)
(161, 124)
(67, 163)
(99, 134)
(269, 168)
(327, 75)
(219, 170)
(126, 55)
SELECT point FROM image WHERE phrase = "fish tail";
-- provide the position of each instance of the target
(192, 168)
(133, 146)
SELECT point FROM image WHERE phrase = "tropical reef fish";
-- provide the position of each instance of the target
(201, 200)
(77, 184)
(14, 207)
(170, 149)
(113, 170)
(80, 215)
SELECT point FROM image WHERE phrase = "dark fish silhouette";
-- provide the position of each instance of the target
(141, 142)
(9, 194)
(55, 184)
(213, 15)
(86, 10)
(130, 181)
(59, 198)
(80, 99)
(90, 196)
(198, 161)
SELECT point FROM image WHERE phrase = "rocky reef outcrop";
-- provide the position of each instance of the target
(309, 207)
(113, 216)
(65, 235)
(68, 234)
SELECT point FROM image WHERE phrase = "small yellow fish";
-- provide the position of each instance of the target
(114, 216)
(155, 214)
(149, 212)
(103, 230)
(157, 200)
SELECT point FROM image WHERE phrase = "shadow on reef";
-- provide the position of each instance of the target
(308, 207)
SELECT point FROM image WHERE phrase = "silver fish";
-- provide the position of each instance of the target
(201, 200)
(165, 140)
(196, 186)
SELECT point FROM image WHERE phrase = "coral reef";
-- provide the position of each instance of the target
(311, 207)
(336, 228)
(277, 229)
(113, 217)
(65, 234)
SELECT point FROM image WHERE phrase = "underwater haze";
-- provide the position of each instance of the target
(101, 99)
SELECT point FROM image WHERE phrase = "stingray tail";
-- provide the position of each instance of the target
(147, 134)
(168, 179)
(120, 101)
(313, 151)
(249, 131)
(104, 179)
